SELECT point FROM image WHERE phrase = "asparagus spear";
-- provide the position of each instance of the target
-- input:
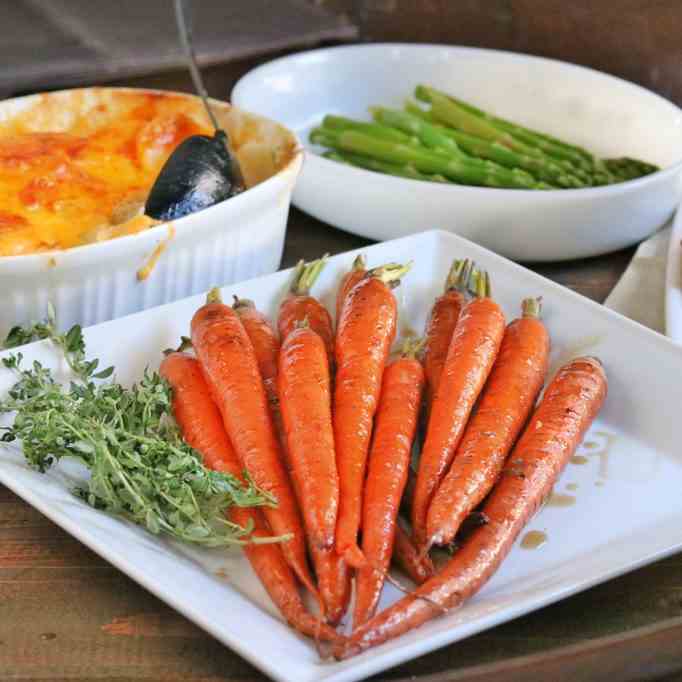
(445, 111)
(437, 136)
(403, 171)
(534, 137)
(374, 129)
(469, 172)
(429, 135)
(626, 168)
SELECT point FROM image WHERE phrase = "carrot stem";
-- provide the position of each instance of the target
(412, 347)
(532, 307)
(306, 274)
(242, 303)
(479, 283)
(185, 344)
(391, 273)
(360, 263)
(214, 296)
(453, 281)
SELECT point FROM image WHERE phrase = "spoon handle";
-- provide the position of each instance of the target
(185, 32)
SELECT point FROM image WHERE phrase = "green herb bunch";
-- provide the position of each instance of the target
(140, 468)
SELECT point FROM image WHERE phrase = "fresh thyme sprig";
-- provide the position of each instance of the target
(140, 468)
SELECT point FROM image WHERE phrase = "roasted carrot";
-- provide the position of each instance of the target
(473, 348)
(305, 400)
(231, 369)
(334, 582)
(265, 344)
(299, 305)
(440, 327)
(389, 458)
(348, 281)
(415, 564)
(197, 415)
(506, 401)
(408, 495)
(363, 339)
(568, 407)
(269, 564)
(202, 427)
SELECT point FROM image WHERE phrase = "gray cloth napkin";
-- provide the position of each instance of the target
(640, 292)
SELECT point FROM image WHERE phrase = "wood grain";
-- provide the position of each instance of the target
(633, 39)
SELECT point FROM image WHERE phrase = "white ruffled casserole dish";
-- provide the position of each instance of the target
(237, 239)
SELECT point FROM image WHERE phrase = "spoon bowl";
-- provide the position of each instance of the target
(202, 170)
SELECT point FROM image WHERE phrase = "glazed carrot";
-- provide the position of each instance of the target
(333, 581)
(408, 494)
(269, 564)
(348, 281)
(473, 348)
(440, 327)
(506, 401)
(415, 564)
(363, 339)
(305, 400)
(394, 427)
(568, 407)
(231, 369)
(299, 305)
(202, 427)
(265, 344)
(197, 415)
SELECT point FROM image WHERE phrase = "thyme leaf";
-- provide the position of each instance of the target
(140, 468)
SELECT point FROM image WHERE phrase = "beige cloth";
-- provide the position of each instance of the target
(640, 292)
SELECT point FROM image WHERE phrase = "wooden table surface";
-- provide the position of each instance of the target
(67, 614)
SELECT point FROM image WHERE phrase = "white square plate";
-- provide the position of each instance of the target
(627, 510)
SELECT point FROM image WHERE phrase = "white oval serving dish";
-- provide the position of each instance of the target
(235, 240)
(609, 116)
(673, 282)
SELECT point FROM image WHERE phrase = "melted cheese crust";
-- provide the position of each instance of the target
(86, 181)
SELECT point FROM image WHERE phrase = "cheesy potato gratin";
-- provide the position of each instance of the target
(76, 168)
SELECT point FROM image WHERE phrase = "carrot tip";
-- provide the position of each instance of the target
(353, 556)
(343, 650)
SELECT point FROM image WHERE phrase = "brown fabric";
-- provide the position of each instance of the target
(48, 44)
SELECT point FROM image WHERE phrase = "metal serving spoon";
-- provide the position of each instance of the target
(202, 170)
